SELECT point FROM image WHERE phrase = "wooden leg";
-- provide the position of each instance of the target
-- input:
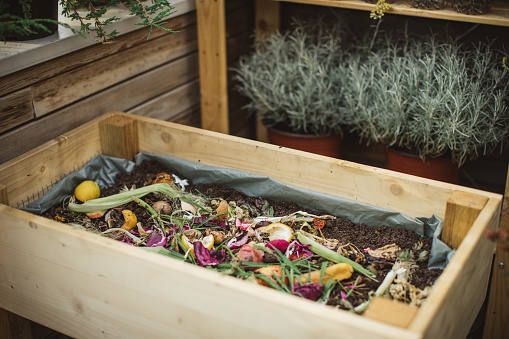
(497, 316)
(211, 25)
(12, 326)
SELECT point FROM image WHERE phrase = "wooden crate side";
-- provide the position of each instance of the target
(410, 195)
(36, 170)
(87, 286)
(460, 291)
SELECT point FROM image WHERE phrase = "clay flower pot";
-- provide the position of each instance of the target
(441, 169)
(328, 145)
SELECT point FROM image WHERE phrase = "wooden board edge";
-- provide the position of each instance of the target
(468, 273)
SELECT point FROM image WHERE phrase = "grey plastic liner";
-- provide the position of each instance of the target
(104, 169)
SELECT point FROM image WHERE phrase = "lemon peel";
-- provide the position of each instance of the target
(277, 231)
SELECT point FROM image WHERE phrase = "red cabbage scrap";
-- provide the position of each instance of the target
(296, 250)
(280, 244)
(155, 240)
(311, 291)
(209, 223)
(206, 257)
(238, 241)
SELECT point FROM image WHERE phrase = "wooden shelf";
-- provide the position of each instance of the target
(498, 15)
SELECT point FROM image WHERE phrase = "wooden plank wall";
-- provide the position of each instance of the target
(156, 78)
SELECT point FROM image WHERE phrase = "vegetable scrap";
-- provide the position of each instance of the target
(277, 245)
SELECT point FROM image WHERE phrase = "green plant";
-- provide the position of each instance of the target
(295, 79)
(429, 97)
(92, 16)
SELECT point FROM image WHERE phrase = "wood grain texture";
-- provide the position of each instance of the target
(403, 193)
(391, 312)
(460, 214)
(497, 315)
(498, 15)
(68, 62)
(16, 109)
(12, 326)
(124, 96)
(64, 89)
(213, 65)
(38, 168)
(459, 292)
(119, 137)
(171, 104)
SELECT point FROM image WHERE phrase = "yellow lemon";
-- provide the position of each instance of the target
(277, 230)
(87, 190)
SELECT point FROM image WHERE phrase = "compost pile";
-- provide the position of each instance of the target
(280, 245)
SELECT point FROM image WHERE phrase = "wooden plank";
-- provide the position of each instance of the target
(391, 312)
(119, 137)
(497, 315)
(16, 109)
(267, 20)
(267, 16)
(61, 279)
(37, 169)
(124, 96)
(374, 186)
(171, 104)
(213, 65)
(69, 87)
(463, 284)
(460, 214)
(68, 62)
(498, 15)
(12, 326)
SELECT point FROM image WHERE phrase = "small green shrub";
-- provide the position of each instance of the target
(429, 97)
(295, 79)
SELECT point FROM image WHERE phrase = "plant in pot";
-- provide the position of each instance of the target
(294, 83)
(29, 19)
(436, 101)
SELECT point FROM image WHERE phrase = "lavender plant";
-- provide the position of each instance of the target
(430, 98)
(295, 79)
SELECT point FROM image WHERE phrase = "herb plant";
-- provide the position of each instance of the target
(295, 79)
(92, 16)
(429, 97)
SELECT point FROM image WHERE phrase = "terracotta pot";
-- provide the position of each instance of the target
(329, 145)
(441, 169)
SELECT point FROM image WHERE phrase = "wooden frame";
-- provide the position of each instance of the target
(86, 286)
(267, 19)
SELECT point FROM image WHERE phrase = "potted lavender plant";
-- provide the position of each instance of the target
(294, 82)
(430, 99)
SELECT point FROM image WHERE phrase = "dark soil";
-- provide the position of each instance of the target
(350, 235)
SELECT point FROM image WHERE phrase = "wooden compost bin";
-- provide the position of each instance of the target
(88, 286)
